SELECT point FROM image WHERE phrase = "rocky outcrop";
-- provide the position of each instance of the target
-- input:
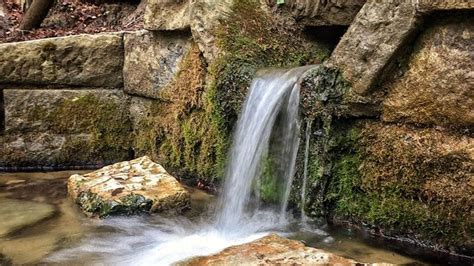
(378, 31)
(321, 13)
(271, 250)
(152, 61)
(80, 60)
(128, 187)
(202, 17)
(436, 87)
(67, 127)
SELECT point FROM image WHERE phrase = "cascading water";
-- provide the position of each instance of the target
(268, 124)
(272, 94)
(305, 169)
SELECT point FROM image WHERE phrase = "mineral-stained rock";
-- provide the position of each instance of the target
(271, 250)
(152, 60)
(65, 127)
(377, 32)
(321, 13)
(83, 60)
(128, 187)
(17, 214)
(437, 87)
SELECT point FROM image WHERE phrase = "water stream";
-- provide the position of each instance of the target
(272, 94)
(268, 124)
(305, 169)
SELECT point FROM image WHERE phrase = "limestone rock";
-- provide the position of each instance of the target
(206, 17)
(201, 16)
(437, 86)
(167, 15)
(321, 13)
(64, 127)
(152, 60)
(376, 33)
(128, 187)
(431, 5)
(18, 214)
(271, 250)
(82, 60)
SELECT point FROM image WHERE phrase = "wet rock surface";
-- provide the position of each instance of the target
(128, 187)
(18, 214)
(271, 250)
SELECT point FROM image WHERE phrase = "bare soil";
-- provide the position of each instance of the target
(70, 17)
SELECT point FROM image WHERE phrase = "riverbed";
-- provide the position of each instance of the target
(40, 224)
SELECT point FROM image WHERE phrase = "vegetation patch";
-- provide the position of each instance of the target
(404, 181)
(180, 132)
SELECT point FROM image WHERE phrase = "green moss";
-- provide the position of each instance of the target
(250, 40)
(93, 204)
(374, 183)
(105, 121)
(270, 186)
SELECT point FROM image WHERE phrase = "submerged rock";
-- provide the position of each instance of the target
(271, 250)
(128, 187)
(18, 214)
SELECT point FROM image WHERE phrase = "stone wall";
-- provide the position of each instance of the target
(392, 108)
(62, 103)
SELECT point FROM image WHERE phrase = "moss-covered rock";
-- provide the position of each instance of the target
(178, 129)
(65, 128)
(404, 181)
(436, 86)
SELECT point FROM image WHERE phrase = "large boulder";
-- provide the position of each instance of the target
(377, 32)
(436, 87)
(152, 59)
(271, 250)
(80, 60)
(129, 187)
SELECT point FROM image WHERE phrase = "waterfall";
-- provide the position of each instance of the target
(268, 126)
(305, 169)
(273, 96)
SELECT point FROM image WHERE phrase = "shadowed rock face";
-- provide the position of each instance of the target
(320, 12)
(271, 250)
(128, 187)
